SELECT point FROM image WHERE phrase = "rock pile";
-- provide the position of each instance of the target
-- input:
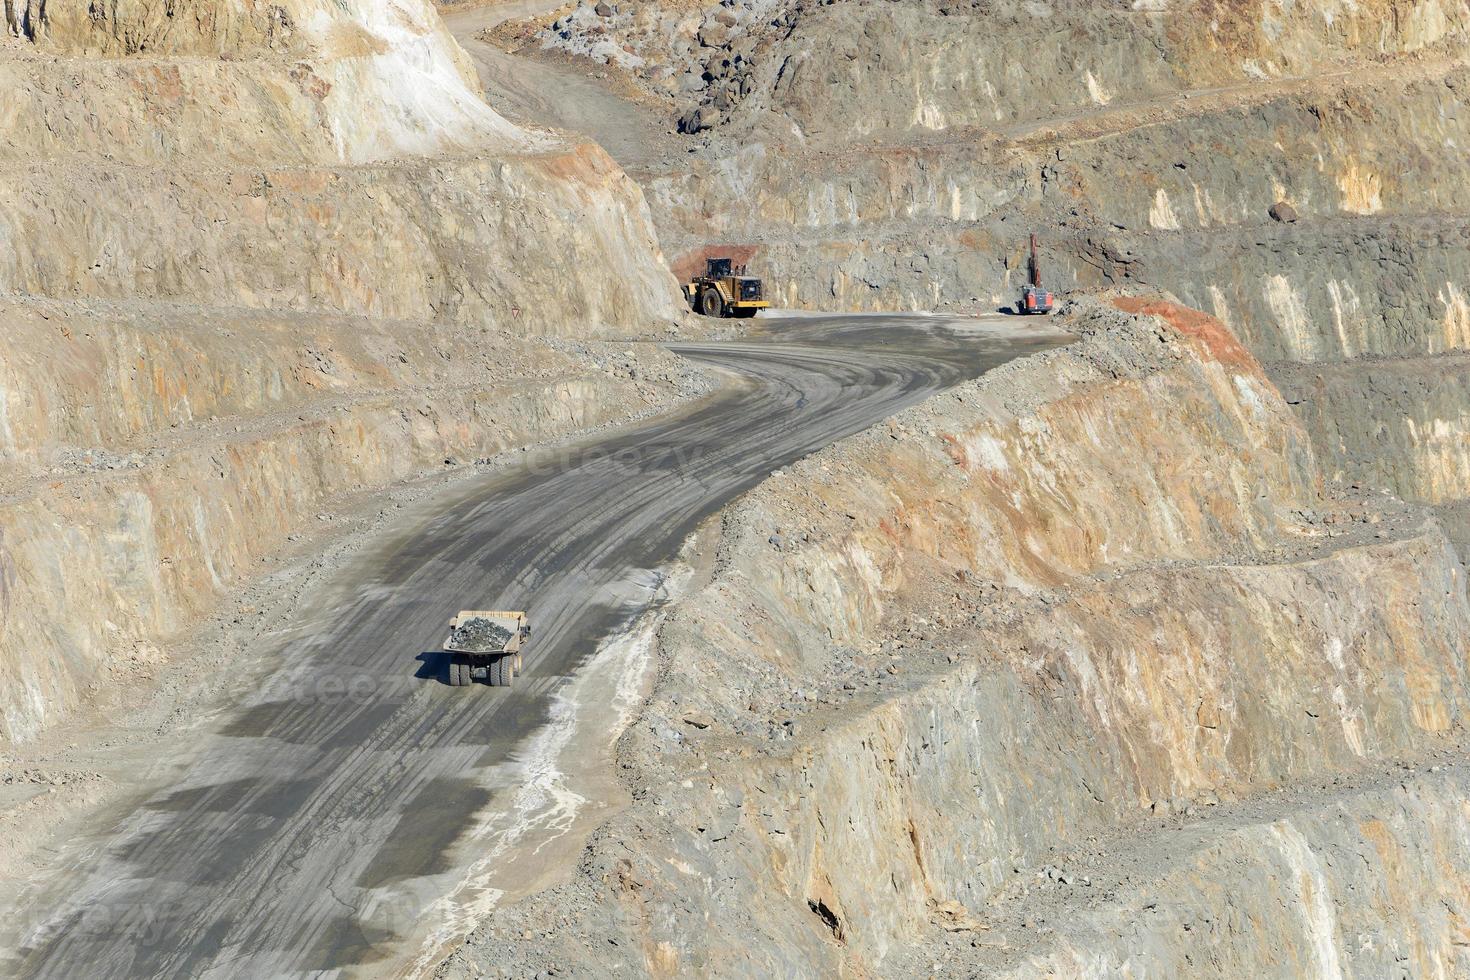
(479, 635)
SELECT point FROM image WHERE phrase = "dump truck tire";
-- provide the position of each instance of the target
(454, 675)
(502, 672)
(711, 303)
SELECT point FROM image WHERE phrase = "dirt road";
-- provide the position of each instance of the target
(329, 823)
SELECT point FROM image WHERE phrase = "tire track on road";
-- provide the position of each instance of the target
(317, 806)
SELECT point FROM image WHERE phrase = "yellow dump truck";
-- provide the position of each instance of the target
(486, 643)
(725, 291)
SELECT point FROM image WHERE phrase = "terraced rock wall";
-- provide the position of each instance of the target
(260, 262)
(156, 459)
(451, 240)
(1289, 169)
(839, 70)
(1337, 867)
(1018, 630)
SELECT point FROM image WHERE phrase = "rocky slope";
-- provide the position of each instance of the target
(1115, 660)
(922, 119)
(259, 260)
(1014, 684)
(1289, 168)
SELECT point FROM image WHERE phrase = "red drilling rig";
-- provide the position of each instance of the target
(1034, 299)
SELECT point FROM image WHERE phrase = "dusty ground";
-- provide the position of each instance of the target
(1080, 666)
(246, 815)
(1125, 658)
(141, 727)
(257, 307)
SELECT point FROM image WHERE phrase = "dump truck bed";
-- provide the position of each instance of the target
(486, 631)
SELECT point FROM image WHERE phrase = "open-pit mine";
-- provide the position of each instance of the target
(529, 489)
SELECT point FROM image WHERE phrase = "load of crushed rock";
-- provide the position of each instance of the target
(479, 635)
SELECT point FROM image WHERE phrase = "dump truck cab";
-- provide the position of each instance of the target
(486, 643)
(725, 290)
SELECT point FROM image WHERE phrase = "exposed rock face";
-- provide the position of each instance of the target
(344, 83)
(853, 69)
(431, 240)
(1315, 860)
(299, 184)
(1289, 170)
(256, 258)
(157, 457)
(1098, 603)
(1395, 423)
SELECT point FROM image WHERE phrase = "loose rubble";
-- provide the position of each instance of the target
(479, 635)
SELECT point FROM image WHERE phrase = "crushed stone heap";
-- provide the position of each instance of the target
(479, 635)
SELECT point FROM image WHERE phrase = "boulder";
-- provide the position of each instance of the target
(1282, 211)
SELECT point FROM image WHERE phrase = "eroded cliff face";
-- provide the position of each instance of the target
(858, 68)
(442, 240)
(1336, 866)
(260, 261)
(1098, 606)
(361, 174)
(1291, 169)
(845, 93)
(324, 81)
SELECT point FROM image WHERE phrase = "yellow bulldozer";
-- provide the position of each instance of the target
(725, 291)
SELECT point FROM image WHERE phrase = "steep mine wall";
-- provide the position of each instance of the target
(1288, 168)
(886, 155)
(1361, 144)
(360, 107)
(133, 27)
(1331, 290)
(260, 262)
(1128, 54)
(943, 220)
(118, 378)
(345, 82)
(1333, 867)
(1363, 319)
(449, 240)
(153, 466)
(1398, 424)
(844, 70)
(1071, 602)
(366, 178)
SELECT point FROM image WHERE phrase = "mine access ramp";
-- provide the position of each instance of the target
(486, 643)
